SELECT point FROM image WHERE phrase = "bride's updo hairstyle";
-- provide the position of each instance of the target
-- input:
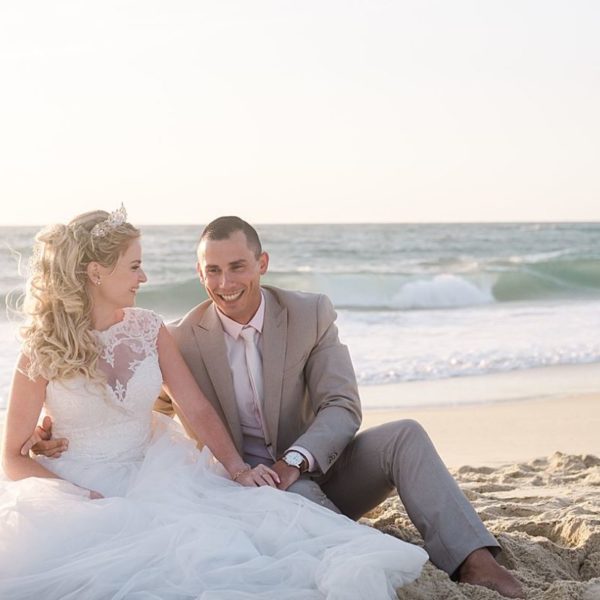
(58, 337)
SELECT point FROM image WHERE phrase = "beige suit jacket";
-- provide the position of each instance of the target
(311, 397)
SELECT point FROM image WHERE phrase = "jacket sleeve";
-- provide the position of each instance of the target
(333, 392)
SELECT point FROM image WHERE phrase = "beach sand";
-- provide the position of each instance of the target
(546, 515)
(531, 468)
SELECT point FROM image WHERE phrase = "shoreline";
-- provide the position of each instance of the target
(501, 418)
(489, 388)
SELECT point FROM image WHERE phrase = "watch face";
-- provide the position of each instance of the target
(294, 459)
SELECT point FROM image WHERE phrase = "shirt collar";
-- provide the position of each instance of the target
(233, 328)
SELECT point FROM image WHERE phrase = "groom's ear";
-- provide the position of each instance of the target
(263, 263)
(199, 271)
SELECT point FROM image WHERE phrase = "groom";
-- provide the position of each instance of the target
(271, 363)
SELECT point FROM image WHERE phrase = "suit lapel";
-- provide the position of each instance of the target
(211, 344)
(273, 354)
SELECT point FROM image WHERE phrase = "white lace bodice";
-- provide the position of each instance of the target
(112, 421)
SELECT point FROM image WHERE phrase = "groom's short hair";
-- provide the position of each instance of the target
(223, 227)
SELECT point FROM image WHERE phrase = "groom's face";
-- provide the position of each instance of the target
(230, 272)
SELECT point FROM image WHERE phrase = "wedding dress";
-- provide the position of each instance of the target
(172, 525)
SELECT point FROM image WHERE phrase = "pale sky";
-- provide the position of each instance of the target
(300, 111)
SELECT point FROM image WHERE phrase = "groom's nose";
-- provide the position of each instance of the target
(224, 280)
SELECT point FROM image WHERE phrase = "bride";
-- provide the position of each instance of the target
(132, 509)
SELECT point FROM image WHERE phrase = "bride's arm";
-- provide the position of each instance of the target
(25, 403)
(200, 414)
(24, 406)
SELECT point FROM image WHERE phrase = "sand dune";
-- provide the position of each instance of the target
(546, 516)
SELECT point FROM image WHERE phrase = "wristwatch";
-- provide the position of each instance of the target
(293, 458)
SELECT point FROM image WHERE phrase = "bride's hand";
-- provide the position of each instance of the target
(260, 475)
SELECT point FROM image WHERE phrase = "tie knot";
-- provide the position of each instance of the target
(248, 334)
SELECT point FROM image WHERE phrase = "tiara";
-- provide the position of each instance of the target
(116, 218)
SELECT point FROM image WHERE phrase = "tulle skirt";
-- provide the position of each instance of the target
(173, 526)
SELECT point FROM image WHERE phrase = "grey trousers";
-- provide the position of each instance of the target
(400, 455)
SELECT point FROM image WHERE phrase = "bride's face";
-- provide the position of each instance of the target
(119, 284)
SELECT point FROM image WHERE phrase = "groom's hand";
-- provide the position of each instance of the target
(41, 441)
(287, 474)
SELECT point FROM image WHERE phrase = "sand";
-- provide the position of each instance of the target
(531, 468)
(546, 515)
(495, 434)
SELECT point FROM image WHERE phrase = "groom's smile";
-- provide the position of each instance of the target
(230, 271)
(231, 297)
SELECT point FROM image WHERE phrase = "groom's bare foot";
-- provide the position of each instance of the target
(481, 568)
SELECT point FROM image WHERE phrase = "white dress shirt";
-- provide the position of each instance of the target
(257, 446)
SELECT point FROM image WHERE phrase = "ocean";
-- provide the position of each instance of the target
(414, 302)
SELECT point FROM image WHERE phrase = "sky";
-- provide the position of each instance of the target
(300, 111)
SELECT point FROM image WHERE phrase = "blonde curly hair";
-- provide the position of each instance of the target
(57, 337)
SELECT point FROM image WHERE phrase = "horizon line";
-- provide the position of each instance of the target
(329, 223)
